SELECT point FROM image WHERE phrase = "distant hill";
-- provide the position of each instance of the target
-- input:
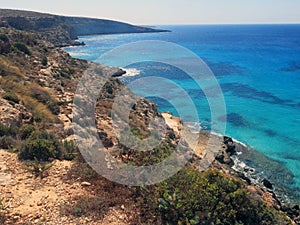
(62, 29)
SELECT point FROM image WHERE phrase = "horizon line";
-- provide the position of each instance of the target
(163, 24)
(195, 24)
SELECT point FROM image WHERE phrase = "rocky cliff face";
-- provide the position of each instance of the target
(37, 86)
(63, 30)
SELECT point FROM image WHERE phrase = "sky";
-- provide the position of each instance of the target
(160, 12)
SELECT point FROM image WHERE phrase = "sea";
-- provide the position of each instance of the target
(257, 68)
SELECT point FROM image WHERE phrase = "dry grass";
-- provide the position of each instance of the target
(14, 82)
(7, 68)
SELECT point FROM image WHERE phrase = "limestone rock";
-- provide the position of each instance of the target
(86, 184)
(13, 114)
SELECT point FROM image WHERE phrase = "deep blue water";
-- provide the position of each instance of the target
(258, 69)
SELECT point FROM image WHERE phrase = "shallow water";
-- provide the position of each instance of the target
(258, 69)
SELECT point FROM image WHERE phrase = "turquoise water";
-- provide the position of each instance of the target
(258, 69)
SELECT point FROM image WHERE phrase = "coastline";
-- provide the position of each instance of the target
(65, 95)
(237, 163)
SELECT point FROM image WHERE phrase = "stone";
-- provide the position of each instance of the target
(14, 114)
(267, 184)
(119, 73)
(85, 184)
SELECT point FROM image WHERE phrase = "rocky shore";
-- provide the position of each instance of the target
(37, 88)
(228, 158)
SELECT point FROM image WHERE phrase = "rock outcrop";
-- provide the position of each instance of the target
(62, 30)
(13, 114)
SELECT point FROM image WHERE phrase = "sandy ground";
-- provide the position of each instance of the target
(204, 144)
(33, 200)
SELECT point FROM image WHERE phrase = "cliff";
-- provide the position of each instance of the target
(45, 180)
(63, 30)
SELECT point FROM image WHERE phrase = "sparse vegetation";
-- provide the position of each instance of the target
(38, 168)
(7, 142)
(44, 48)
(108, 88)
(8, 136)
(8, 130)
(26, 131)
(70, 150)
(45, 97)
(192, 197)
(7, 68)
(44, 61)
(36, 99)
(4, 38)
(9, 96)
(22, 47)
(41, 146)
(85, 206)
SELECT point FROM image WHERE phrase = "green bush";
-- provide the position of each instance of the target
(26, 131)
(44, 48)
(4, 38)
(44, 61)
(7, 142)
(22, 47)
(40, 146)
(9, 96)
(8, 130)
(191, 197)
(70, 150)
(109, 89)
(38, 168)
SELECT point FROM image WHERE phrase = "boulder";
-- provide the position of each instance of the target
(119, 73)
(267, 184)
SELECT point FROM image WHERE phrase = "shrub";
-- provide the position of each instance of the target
(8, 130)
(109, 89)
(39, 169)
(4, 44)
(44, 48)
(9, 96)
(44, 97)
(70, 150)
(44, 61)
(26, 131)
(191, 197)
(40, 95)
(40, 146)
(4, 38)
(7, 142)
(53, 107)
(22, 47)
(85, 206)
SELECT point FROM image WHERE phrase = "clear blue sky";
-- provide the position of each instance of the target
(170, 11)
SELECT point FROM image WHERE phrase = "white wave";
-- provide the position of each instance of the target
(241, 143)
(131, 72)
(195, 127)
(76, 54)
